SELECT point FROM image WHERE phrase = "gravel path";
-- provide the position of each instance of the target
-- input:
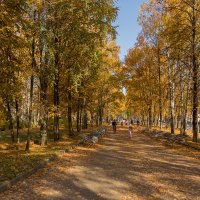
(118, 169)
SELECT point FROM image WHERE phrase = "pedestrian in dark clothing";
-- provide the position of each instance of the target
(131, 122)
(114, 125)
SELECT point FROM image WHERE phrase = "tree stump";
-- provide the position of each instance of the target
(43, 138)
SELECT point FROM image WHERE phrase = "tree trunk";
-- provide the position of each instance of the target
(97, 118)
(195, 69)
(186, 111)
(10, 122)
(92, 119)
(171, 93)
(100, 115)
(181, 102)
(160, 89)
(85, 121)
(56, 98)
(177, 121)
(56, 113)
(100, 111)
(30, 114)
(69, 111)
(150, 117)
(172, 115)
(33, 65)
(17, 119)
(43, 69)
(78, 116)
(85, 118)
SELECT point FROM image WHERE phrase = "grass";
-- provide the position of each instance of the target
(15, 161)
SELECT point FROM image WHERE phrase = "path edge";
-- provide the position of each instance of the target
(9, 183)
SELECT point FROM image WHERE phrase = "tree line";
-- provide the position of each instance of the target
(58, 64)
(162, 69)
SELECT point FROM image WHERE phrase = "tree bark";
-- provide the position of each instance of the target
(171, 94)
(172, 115)
(10, 121)
(160, 89)
(56, 112)
(30, 114)
(69, 111)
(56, 96)
(195, 69)
(78, 116)
(150, 116)
(182, 115)
(43, 69)
(17, 119)
(85, 118)
(186, 111)
(33, 65)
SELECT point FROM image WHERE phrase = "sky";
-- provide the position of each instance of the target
(128, 28)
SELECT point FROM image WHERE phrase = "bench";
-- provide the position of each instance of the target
(94, 137)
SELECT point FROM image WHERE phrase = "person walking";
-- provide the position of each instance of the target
(114, 125)
(130, 130)
(131, 121)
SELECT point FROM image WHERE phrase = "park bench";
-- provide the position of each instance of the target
(168, 137)
(94, 137)
(100, 132)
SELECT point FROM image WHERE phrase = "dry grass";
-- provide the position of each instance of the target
(14, 160)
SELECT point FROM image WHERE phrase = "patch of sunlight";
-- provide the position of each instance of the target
(111, 139)
(194, 178)
(111, 148)
(51, 193)
(109, 189)
(97, 181)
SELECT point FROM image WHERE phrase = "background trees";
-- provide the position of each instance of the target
(169, 45)
(58, 62)
(60, 65)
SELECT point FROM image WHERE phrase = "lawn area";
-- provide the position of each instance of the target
(14, 160)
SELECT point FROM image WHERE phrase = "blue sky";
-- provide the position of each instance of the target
(128, 27)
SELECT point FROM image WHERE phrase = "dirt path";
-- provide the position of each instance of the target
(117, 169)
